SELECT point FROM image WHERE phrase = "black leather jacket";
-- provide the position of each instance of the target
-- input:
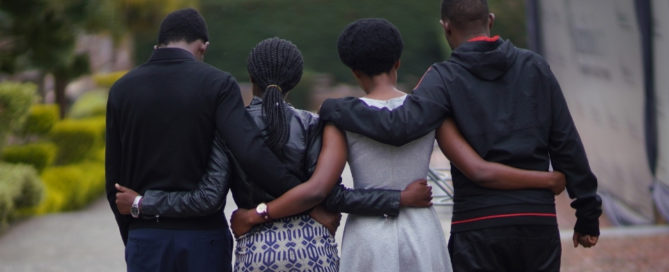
(300, 155)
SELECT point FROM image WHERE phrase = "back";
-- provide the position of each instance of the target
(501, 101)
(163, 113)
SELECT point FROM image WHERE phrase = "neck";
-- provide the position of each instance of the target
(181, 45)
(468, 36)
(382, 86)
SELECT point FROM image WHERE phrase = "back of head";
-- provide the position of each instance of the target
(371, 46)
(183, 25)
(465, 14)
(275, 66)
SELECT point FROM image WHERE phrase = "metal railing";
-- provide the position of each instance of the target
(442, 194)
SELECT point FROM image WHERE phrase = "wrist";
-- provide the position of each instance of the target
(403, 197)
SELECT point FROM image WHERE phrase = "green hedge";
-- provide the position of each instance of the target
(77, 139)
(106, 80)
(20, 188)
(90, 104)
(72, 186)
(15, 100)
(39, 155)
(41, 119)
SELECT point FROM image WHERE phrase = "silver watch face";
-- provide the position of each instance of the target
(261, 208)
(134, 211)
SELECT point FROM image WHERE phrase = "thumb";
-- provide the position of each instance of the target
(120, 188)
(575, 239)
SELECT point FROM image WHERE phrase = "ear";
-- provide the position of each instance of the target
(491, 20)
(396, 66)
(446, 26)
(357, 74)
(203, 47)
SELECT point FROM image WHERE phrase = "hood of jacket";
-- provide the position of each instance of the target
(487, 59)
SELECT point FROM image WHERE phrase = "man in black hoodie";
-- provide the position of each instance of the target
(510, 108)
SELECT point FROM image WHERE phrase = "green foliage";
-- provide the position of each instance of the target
(314, 26)
(20, 188)
(71, 187)
(106, 80)
(40, 119)
(15, 100)
(77, 139)
(39, 155)
(90, 104)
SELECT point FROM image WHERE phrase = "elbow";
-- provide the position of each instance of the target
(481, 176)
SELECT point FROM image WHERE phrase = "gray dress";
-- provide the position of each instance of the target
(412, 241)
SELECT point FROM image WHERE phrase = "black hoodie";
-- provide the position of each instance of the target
(510, 108)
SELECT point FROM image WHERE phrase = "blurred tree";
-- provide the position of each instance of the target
(41, 34)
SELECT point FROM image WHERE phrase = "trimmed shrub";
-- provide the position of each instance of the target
(41, 119)
(39, 155)
(72, 186)
(20, 188)
(106, 80)
(15, 100)
(77, 139)
(90, 104)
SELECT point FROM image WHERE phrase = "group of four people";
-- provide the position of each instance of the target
(178, 139)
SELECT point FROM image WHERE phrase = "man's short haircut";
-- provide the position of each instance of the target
(464, 13)
(371, 46)
(183, 25)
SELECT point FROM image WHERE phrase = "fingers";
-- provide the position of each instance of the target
(575, 238)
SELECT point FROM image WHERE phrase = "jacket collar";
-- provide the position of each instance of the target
(171, 54)
(488, 58)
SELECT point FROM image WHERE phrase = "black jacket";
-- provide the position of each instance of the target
(510, 108)
(300, 155)
(161, 121)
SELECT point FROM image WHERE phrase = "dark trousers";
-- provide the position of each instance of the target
(512, 248)
(179, 250)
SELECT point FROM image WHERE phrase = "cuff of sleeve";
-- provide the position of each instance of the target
(149, 204)
(587, 227)
(394, 207)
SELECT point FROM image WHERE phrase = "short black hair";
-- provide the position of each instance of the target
(371, 45)
(464, 13)
(184, 24)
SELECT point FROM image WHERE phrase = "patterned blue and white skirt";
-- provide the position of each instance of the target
(296, 243)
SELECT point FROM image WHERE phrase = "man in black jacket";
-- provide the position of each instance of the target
(510, 108)
(161, 121)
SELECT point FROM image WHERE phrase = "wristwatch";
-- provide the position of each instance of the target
(134, 209)
(261, 209)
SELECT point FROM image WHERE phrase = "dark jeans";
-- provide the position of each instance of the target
(512, 248)
(179, 250)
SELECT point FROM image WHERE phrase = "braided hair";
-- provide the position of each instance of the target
(275, 66)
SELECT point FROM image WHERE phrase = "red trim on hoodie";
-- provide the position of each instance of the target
(484, 39)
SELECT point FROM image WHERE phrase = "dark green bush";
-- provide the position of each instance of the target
(40, 119)
(20, 188)
(77, 139)
(39, 155)
(15, 100)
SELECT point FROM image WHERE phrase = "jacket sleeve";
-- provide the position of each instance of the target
(422, 112)
(568, 156)
(356, 201)
(113, 166)
(207, 198)
(244, 140)
(370, 202)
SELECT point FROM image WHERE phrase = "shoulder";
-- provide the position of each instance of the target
(309, 120)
